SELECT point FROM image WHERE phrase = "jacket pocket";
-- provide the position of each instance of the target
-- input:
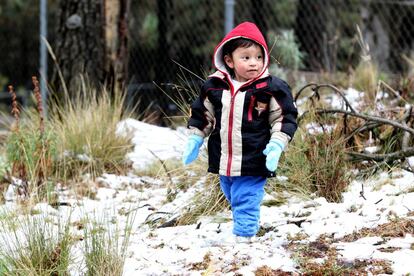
(251, 106)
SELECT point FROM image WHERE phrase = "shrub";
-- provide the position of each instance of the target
(296, 167)
(315, 163)
(106, 244)
(287, 51)
(209, 201)
(30, 155)
(328, 163)
(33, 246)
(86, 128)
(30, 148)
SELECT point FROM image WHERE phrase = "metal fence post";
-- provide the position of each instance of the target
(43, 53)
(228, 15)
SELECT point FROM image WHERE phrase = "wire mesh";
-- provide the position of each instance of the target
(165, 33)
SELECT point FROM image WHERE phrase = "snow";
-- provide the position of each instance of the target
(180, 250)
(352, 95)
(152, 142)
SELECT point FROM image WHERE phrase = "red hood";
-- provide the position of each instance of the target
(245, 30)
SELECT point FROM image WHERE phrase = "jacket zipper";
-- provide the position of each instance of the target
(229, 139)
(250, 111)
(230, 131)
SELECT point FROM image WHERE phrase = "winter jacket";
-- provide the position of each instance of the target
(240, 123)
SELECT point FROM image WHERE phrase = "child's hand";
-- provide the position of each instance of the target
(191, 149)
(273, 151)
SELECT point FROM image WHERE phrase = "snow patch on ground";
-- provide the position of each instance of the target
(180, 250)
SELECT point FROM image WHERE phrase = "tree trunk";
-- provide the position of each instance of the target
(91, 42)
(116, 42)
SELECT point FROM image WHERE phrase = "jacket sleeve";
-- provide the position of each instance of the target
(282, 112)
(202, 115)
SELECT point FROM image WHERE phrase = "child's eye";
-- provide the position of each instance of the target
(245, 58)
(259, 57)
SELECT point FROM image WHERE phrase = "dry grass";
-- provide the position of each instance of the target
(204, 264)
(296, 167)
(34, 246)
(306, 253)
(84, 188)
(106, 243)
(328, 159)
(86, 127)
(267, 271)
(366, 77)
(392, 229)
(30, 147)
(315, 163)
(206, 202)
(3, 188)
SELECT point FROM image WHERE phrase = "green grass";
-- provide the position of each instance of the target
(30, 154)
(35, 247)
(3, 267)
(106, 244)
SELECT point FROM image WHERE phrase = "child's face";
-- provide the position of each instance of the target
(247, 63)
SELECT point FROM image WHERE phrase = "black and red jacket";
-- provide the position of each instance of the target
(240, 123)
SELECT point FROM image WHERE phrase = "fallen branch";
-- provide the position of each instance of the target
(369, 123)
(316, 88)
(362, 116)
(386, 157)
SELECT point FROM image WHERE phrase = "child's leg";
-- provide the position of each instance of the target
(225, 184)
(246, 196)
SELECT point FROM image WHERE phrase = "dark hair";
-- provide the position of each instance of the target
(230, 46)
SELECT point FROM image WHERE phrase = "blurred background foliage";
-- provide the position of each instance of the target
(316, 36)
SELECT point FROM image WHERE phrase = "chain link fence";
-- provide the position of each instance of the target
(19, 47)
(318, 36)
(166, 33)
(325, 30)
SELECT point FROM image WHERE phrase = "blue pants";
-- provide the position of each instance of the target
(245, 194)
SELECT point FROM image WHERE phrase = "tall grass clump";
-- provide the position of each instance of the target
(33, 246)
(86, 127)
(105, 245)
(296, 166)
(185, 92)
(207, 202)
(316, 162)
(367, 75)
(30, 148)
(327, 155)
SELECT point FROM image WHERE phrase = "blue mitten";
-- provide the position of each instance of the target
(191, 149)
(273, 151)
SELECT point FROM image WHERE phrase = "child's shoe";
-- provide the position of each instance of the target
(241, 239)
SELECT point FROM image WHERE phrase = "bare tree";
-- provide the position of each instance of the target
(91, 42)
